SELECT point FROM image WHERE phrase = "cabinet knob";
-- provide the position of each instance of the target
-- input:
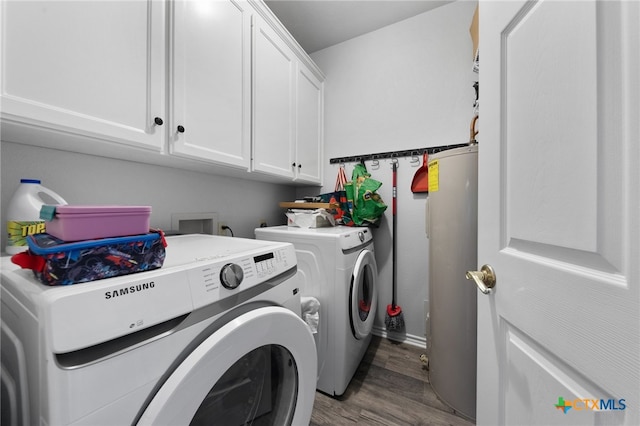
(299, 166)
(180, 129)
(293, 164)
(158, 121)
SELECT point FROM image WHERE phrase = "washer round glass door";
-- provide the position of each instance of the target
(259, 369)
(363, 295)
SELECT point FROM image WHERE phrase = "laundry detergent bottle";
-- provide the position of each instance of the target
(23, 214)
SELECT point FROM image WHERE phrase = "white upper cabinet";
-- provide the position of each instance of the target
(309, 113)
(88, 68)
(287, 107)
(210, 88)
(274, 66)
(188, 83)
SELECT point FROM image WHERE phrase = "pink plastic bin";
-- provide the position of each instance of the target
(77, 223)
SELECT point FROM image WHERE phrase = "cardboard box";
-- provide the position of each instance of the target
(319, 218)
(473, 30)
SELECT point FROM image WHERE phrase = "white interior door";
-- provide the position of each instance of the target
(559, 213)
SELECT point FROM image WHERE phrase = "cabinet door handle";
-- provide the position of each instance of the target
(180, 129)
(158, 121)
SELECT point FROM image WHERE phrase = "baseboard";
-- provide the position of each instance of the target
(419, 341)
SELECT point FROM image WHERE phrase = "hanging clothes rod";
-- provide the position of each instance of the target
(394, 154)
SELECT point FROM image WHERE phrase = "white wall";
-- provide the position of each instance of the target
(405, 86)
(85, 179)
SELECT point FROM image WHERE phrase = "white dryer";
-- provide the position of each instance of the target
(213, 337)
(337, 266)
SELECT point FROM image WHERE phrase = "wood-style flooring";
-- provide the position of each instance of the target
(391, 387)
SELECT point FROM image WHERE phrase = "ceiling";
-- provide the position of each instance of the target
(317, 24)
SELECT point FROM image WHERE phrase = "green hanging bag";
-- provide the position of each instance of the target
(368, 206)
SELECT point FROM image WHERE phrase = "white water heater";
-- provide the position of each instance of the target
(452, 216)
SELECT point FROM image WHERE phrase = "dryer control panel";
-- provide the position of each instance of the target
(231, 275)
(217, 280)
(265, 264)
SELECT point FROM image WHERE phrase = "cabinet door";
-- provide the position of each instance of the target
(210, 75)
(309, 118)
(90, 68)
(273, 113)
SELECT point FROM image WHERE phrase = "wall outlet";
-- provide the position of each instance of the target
(221, 228)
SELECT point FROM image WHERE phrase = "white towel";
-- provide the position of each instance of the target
(310, 312)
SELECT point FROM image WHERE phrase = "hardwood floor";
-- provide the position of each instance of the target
(391, 387)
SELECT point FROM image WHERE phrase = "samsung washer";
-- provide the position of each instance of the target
(213, 337)
(337, 266)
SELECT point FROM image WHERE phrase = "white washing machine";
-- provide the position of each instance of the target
(213, 337)
(337, 266)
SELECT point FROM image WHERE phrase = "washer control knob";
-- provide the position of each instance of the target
(231, 275)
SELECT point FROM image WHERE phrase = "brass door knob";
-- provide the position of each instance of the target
(485, 278)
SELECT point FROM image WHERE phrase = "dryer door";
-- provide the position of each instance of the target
(259, 367)
(363, 297)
